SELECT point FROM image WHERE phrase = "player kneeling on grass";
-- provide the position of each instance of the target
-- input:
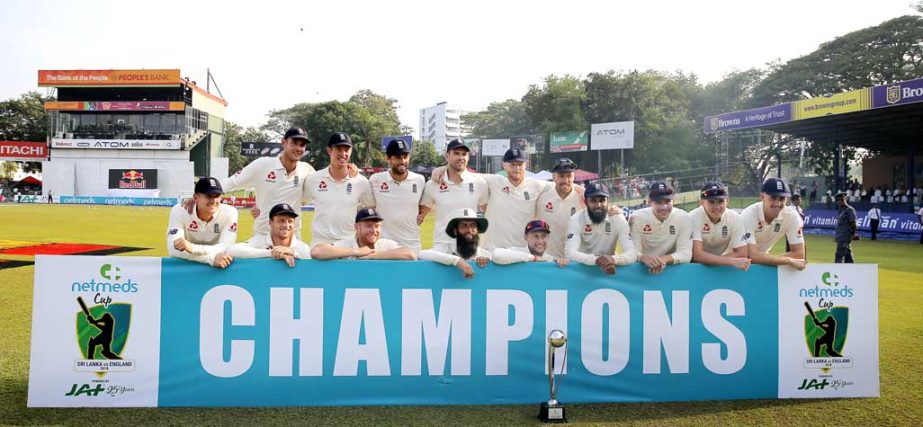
(207, 232)
(465, 227)
(767, 220)
(281, 242)
(661, 233)
(717, 232)
(366, 244)
(593, 233)
(537, 232)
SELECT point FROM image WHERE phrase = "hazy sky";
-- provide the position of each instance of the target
(272, 54)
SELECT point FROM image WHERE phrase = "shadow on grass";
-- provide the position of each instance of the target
(14, 412)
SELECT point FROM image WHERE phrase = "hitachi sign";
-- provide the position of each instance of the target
(23, 150)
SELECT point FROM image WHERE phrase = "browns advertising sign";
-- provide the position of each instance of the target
(133, 179)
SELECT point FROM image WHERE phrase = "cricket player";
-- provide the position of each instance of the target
(717, 232)
(592, 234)
(280, 243)
(276, 179)
(335, 193)
(397, 194)
(557, 206)
(366, 244)
(457, 189)
(465, 227)
(206, 234)
(536, 237)
(766, 221)
(511, 201)
(662, 234)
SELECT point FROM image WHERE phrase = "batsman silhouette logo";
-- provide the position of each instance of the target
(102, 329)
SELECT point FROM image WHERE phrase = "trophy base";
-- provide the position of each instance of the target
(551, 413)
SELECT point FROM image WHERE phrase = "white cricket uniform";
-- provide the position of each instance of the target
(273, 186)
(445, 253)
(398, 203)
(757, 231)
(335, 205)
(260, 246)
(718, 238)
(448, 198)
(504, 256)
(509, 209)
(653, 237)
(586, 240)
(381, 245)
(557, 212)
(208, 238)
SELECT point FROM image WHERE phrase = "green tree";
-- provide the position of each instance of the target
(500, 120)
(366, 117)
(424, 153)
(234, 138)
(557, 106)
(25, 119)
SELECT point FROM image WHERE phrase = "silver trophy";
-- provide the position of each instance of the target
(552, 411)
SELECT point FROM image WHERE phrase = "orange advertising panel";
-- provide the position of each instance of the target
(57, 78)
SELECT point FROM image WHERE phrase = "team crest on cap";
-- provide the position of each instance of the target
(213, 182)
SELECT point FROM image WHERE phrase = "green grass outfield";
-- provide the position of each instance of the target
(901, 348)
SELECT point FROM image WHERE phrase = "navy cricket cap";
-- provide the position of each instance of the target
(713, 190)
(515, 155)
(537, 225)
(367, 214)
(297, 133)
(564, 165)
(776, 187)
(595, 190)
(397, 147)
(660, 191)
(282, 209)
(453, 144)
(339, 138)
(208, 185)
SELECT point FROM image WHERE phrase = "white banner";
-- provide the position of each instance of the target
(95, 331)
(494, 147)
(611, 136)
(828, 331)
(117, 144)
(29, 198)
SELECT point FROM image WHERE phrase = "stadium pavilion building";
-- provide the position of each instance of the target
(132, 133)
